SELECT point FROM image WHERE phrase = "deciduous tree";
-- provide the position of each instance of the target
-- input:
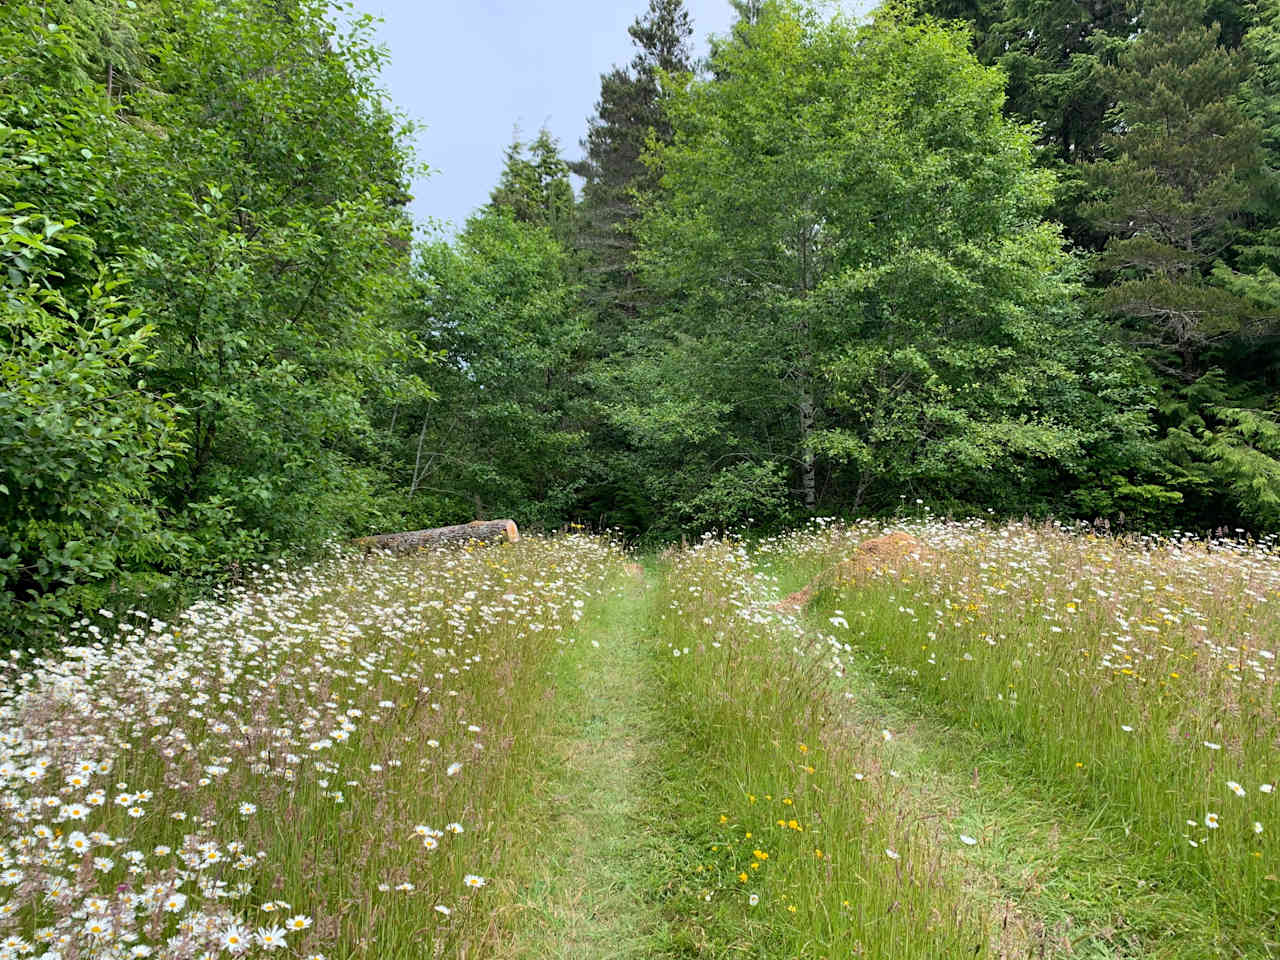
(850, 238)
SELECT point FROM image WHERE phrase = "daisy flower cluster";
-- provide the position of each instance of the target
(253, 776)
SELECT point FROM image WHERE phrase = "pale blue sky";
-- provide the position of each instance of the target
(470, 72)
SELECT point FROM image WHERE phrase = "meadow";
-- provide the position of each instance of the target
(1002, 740)
(328, 762)
(1136, 678)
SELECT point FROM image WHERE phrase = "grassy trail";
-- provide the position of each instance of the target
(1066, 884)
(612, 873)
(638, 760)
(596, 868)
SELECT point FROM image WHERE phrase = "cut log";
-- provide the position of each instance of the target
(485, 531)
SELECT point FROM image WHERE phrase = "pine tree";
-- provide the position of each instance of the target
(628, 112)
(1183, 152)
(1055, 54)
(1256, 259)
(535, 187)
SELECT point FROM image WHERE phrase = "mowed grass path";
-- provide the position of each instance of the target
(590, 896)
(638, 817)
(620, 871)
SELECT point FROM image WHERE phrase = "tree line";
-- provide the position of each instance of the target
(994, 255)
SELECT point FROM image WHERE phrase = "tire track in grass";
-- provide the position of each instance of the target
(1077, 886)
(589, 894)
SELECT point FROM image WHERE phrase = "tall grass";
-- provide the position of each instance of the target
(332, 762)
(1135, 677)
(806, 844)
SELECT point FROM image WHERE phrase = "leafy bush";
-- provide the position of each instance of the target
(745, 493)
(82, 437)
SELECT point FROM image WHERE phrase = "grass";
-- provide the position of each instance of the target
(1077, 885)
(801, 843)
(1130, 682)
(1006, 803)
(586, 894)
(334, 752)
(1134, 680)
(992, 746)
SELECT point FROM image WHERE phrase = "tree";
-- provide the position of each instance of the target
(504, 437)
(1177, 196)
(1257, 250)
(1168, 203)
(849, 233)
(1055, 53)
(83, 439)
(536, 189)
(265, 237)
(203, 230)
(629, 111)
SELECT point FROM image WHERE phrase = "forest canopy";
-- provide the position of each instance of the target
(993, 256)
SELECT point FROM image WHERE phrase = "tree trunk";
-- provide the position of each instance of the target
(417, 460)
(485, 531)
(807, 458)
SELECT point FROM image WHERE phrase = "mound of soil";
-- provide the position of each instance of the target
(869, 557)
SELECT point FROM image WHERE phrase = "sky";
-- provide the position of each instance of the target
(469, 73)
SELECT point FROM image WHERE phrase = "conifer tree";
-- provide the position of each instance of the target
(535, 187)
(1055, 54)
(1257, 255)
(629, 110)
(1167, 202)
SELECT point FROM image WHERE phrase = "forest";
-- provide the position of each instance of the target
(988, 257)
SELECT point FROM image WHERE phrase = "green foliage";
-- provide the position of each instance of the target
(630, 111)
(237, 192)
(1246, 453)
(83, 438)
(1257, 254)
(745, 494)
(1166, 202)
(835, 279)
(273, 244)
(536, 189)
(504, 438)
(850, 239)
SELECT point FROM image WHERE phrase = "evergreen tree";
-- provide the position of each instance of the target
(1180, 186)
(628, 112)
(1168, 201)
(535, 188)
(1055, 53)
(1257, 255)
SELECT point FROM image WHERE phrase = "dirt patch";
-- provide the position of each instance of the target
(870, 557)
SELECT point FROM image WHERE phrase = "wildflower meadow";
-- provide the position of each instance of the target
(990, 740)
(324, 763)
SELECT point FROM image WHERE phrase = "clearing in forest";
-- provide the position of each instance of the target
(999, 741)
